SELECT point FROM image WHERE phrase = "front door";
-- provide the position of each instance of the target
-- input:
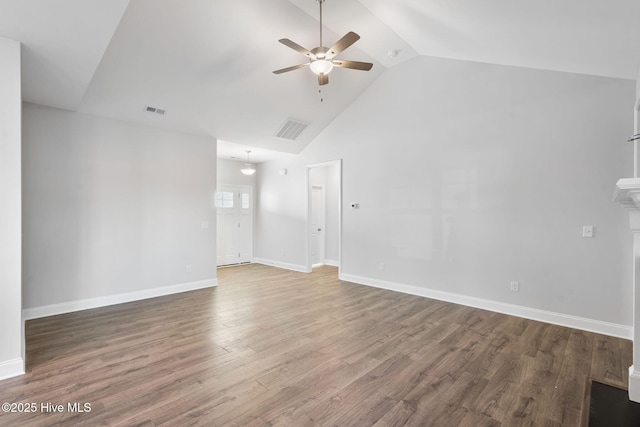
(234, 206)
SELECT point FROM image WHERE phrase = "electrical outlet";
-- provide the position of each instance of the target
(187, 268)
(515, 286)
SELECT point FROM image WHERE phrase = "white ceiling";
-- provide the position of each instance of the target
(238, 152)
(62, 44)
(209, 63)
(598, 37)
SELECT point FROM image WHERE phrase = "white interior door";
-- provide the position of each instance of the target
(234, 206)
(317, 225)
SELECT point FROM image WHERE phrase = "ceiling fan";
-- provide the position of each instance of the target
(322, 59)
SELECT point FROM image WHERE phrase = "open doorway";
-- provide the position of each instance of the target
(324, 214)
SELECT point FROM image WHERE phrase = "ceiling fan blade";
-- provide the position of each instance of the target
(295, 46)
(323, 79)
(354, 65)
(295, 67)
(346, 41)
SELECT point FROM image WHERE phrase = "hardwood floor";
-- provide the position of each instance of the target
(275, 347)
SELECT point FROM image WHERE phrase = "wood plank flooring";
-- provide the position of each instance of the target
(275, 347)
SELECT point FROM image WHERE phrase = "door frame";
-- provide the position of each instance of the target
(338, 164)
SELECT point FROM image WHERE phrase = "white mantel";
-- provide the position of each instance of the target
(627, 194)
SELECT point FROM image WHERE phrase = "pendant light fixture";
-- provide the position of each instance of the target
(248, 168)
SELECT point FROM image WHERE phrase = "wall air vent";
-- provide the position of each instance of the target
(154, 110)
(291, 130)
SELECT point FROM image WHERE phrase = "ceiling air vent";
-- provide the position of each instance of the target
(291, 129)
(155, 110)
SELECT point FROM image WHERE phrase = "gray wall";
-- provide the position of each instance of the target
(113, 208)
(470, 176)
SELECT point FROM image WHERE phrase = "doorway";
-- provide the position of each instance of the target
(324, 214)
(234, 239)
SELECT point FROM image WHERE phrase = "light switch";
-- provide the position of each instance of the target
(587, 231)
(204, 224)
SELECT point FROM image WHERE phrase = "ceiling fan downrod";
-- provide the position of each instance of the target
(320, 1)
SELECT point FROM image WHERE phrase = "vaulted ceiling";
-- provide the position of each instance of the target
(209, 63)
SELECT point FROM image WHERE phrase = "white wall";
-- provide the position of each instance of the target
(229, 174)
(637, 106)
(280, 233)
(470, 176)
(11, 333)
(113, 209)
(332, 205)
(638, 86)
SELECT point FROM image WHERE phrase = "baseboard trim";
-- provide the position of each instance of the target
(11, 368)
(591, 325)
(634, 385)
(279, 264)
(332, 262)
(71, 306)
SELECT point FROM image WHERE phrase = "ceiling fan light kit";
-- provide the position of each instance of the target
(321, 66)
(321, 59)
